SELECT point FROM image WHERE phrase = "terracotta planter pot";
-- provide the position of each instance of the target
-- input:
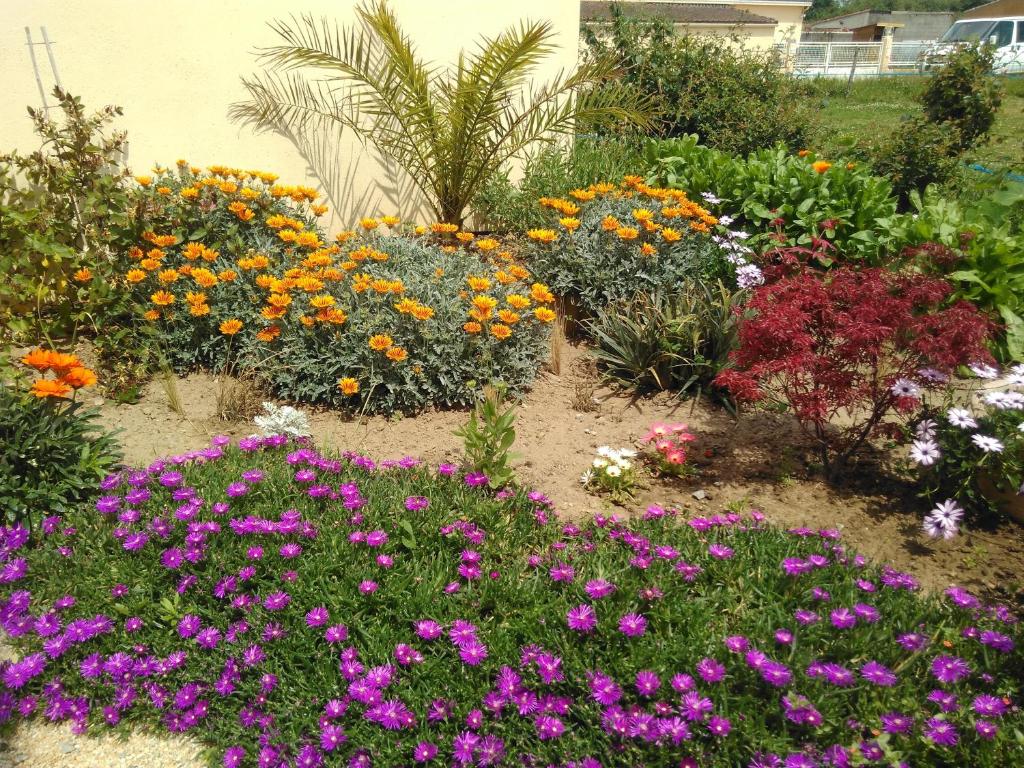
(1010, 504)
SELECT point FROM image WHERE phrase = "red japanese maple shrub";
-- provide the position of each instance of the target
(847, 350)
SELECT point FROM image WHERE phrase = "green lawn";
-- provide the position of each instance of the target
(874, 107)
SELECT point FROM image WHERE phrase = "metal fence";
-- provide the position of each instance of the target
(850, 59)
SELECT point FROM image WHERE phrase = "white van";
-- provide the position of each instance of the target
(1005, 34)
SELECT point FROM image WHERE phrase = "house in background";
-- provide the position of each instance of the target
(759, 23)
(869, 26)
(995, 10)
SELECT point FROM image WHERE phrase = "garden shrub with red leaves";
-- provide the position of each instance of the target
(847, 350)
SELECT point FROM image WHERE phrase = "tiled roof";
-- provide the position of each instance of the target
(678, 13)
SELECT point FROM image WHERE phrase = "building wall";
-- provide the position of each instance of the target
(789, 16)
(175, 68)
(760, 37)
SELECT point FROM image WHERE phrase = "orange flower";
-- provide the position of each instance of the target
(151, 314)
(517, 301)
(79, 377)
(421, 312)
(379, 342)
(230, 327)
(541, 293)
(648, 250)
(500, 331)
(542, 235)
(486, 244)
(268, 334)
(850, 166)
(227, 275)
(440, 228)
(478, 283)
(544, 314)
(348, 386)
(47, 388)
(472, 327)
(38, 358)
(804, 152)
(369, 224)
(199, 310)
(570, 223)
(463, 237)
(162, 298)
(390, 221)
(144, 181)
(168, 276)
(609, 223)
(318, 210)
(643, 214)
(508, 317)
(84, 275)
(670, 235)
(397, 354)
(627, 233)
(820, 166)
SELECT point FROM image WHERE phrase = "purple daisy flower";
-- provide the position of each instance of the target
(941, 732)
(581, 618)
(633, 625)
(878, 674)
(949, 669)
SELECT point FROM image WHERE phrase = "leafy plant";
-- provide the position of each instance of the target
(488, 437)
(982, 241)
(53, 453)
(612, 472)
(670, 444)
(847, 350)
(64, 213)
(734, 98)
(678, 340)
(449, 129)
(782, 198)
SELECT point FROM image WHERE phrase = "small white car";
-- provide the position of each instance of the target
(1004, 34)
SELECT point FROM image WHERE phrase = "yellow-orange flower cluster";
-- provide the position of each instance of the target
(69, 373)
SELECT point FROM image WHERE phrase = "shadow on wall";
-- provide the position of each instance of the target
(392, 191)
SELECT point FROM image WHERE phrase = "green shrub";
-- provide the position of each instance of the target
(678, 340)
(63, 216)
(735, 99)
(617, 243)
(53, 453)
(964, 96)
(779, 197)
(915, 155)
(512, 207)
(281, 619)
(241, 280)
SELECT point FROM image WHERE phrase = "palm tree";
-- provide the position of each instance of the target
(449, 128)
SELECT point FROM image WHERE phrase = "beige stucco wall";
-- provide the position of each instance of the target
(174, 67)
(760, 37)
(790, 18)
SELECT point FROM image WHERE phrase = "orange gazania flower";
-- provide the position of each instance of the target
(390, 221)
(542, 235)
(162, 298)
(397, 354)
(379, 342)
(40, 359)
(421, 312)
(486, 244)
(472, 327)
(78, 377)
(348, 386)
(478, 283)
(627, 233)
(230, 327)
(517, 301)
(47, 388)
(804, 152)
(369, 224)
(463, 237)
(508, 317)
(820, 166)
(570, 223)
(269, 333)
(648, 250)
(609, 223)
(151, 314)
(544, 314)
(199, 310)
(500, 331)
(84, 275)
(541, 293)
(670, 235)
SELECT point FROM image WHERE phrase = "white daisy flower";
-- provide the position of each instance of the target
(933, 375)
(629, 453)
(948, 512)
(587, 476)
(905, 388)
(959, 417)
(600, 463)
(983, 371)
(625, 463)
(613, 470)
(924, 452)
(925, 430)
(987, 444)
(604, 450)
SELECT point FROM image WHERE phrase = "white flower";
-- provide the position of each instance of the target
(987, 444)
(924, 452)
(604, 450)
(710, 198)
(926, 429)
(629, 453)
(283, 420)
(738, 234)
(983, 371)
(749, 276)
(933, 375)
(959, 417)
(1004, 401)
(944, 520)
(905, 388)
(625, 463)
(1016, 379)
(1020, 427)
(587, 476)
(725, 221)
(600, 463)
(1018, 369)
(613, 471)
